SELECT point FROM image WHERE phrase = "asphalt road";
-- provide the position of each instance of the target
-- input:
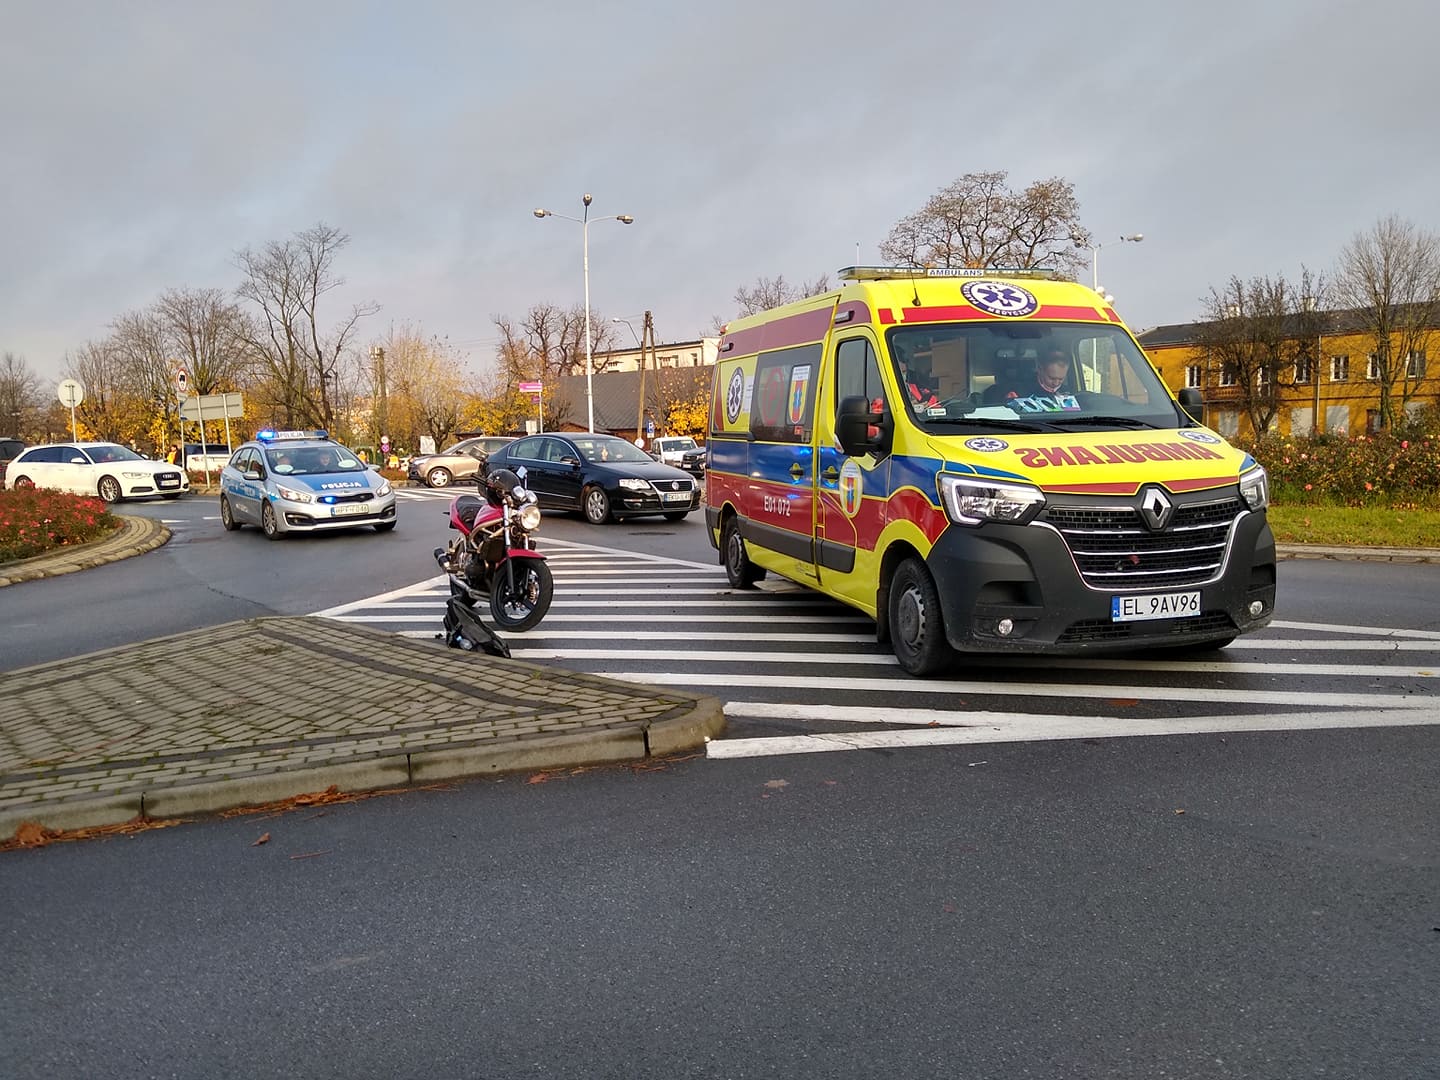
(1218, 905)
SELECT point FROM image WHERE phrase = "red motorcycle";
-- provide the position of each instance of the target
(494, 558)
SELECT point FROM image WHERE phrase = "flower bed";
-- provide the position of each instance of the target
(34, 521)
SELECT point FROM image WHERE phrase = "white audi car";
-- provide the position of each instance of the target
(109, 470)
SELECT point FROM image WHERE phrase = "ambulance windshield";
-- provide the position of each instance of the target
(1046, 373)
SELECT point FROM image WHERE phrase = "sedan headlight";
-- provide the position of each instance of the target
(529, 516)
(1255, 488)
(291, 495)
(135, 475)
(631, 484)
(974, 502)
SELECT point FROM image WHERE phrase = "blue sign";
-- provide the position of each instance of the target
(649, 429)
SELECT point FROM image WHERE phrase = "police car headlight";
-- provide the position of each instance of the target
(974, 502)
(1255, 489)
(384, 489)
(291, 495)
(529, 517)
(631, 484)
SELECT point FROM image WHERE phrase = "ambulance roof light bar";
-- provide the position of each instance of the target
(908, 273)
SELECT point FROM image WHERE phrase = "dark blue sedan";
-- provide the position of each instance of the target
(602, 476)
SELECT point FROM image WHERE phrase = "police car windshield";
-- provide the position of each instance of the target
(312, 460)
(1027, 373)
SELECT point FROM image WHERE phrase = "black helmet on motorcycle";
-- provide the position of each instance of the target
(499, 485)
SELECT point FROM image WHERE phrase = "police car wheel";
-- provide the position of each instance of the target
(269, 525)
(384, 526)
(917, 629)
(739, 570)
(227, 516)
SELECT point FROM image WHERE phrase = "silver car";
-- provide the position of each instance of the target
(459, 462)
(292, 481)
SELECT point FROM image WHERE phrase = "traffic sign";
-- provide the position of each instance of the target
(71, 393)
(529, 388)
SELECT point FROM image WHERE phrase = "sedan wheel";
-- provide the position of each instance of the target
(597, 505)
(438, 477)
(227, 517)
(269, 525)
(21, 482)
(109, 489)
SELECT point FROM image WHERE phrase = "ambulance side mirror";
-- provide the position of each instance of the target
(858, 429)
(1193, 404)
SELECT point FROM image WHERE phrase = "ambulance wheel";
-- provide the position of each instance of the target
(738, 567)
(917, 629)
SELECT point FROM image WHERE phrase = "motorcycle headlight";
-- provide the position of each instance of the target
(974, 502)
(529, 516)
(1255, 488)
(291, 495)
(631, 484)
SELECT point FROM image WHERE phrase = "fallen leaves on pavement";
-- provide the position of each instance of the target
(29, 834)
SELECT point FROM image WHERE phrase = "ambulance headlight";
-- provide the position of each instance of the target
(1255, 489)
(529, 517)
(974, 502)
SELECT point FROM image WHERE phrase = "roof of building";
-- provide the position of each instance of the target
(1333, 323)
(617, 395)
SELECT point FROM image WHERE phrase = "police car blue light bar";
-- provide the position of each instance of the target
(270, 434)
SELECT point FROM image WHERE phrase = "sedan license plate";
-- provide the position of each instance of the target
(169, 481)
(1180, 605)
(676, 496)
(346, 509)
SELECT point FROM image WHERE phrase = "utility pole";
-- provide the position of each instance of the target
(647, 334)
(377, 357)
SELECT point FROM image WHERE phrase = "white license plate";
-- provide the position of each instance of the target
(1175, 605)
(346, 509)
(676, 496)
(170, 482)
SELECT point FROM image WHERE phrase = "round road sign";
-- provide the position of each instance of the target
(71, 393)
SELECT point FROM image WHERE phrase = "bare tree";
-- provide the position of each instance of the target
(205, 333)
(978, 221)
(1259, 332)
(767, 293)
(19, 394)
(140, 349)
(300, 365)
(115, 408)
(1391, 277)
(426, 392)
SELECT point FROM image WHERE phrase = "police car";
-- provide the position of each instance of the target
(302, 481)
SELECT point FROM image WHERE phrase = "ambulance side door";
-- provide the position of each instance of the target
(850, 492)
(780, 495)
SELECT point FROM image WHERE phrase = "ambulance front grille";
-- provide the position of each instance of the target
(1113, 549)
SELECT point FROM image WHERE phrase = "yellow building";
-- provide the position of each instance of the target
(1344, 392)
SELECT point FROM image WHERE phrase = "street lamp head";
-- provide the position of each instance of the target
(585, 198)
(624, 219)
(542, 213)
(1134, 237)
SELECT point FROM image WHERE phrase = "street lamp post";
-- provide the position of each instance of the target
(584, 220)
(1133, 238)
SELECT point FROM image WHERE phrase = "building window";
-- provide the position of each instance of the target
(1227, 375)
(1339, 368)
(1372, 366)
(1194, 378)
(1262, 380)
(1415, 364)
(1302, 370)
(1372, 421)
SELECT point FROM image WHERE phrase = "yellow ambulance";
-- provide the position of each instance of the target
(982, 461)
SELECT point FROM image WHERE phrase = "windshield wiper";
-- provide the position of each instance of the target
(1101, 421)
(987, 422)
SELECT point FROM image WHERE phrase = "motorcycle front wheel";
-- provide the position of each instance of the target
(522, 606)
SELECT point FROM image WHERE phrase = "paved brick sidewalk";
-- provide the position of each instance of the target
(270, 708)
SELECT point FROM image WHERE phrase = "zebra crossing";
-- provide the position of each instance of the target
(800, 673)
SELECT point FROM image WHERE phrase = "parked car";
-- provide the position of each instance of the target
(206, 457)
(112, 471)
(671, 449)
(602, 476)
(8, 449)
(459, 462)
(301, 481)
(693, 461)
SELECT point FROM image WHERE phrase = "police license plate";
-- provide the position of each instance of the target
(676, 496)
(346, 509)
(1178, 605)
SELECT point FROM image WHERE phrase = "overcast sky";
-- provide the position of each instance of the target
(146, 141)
